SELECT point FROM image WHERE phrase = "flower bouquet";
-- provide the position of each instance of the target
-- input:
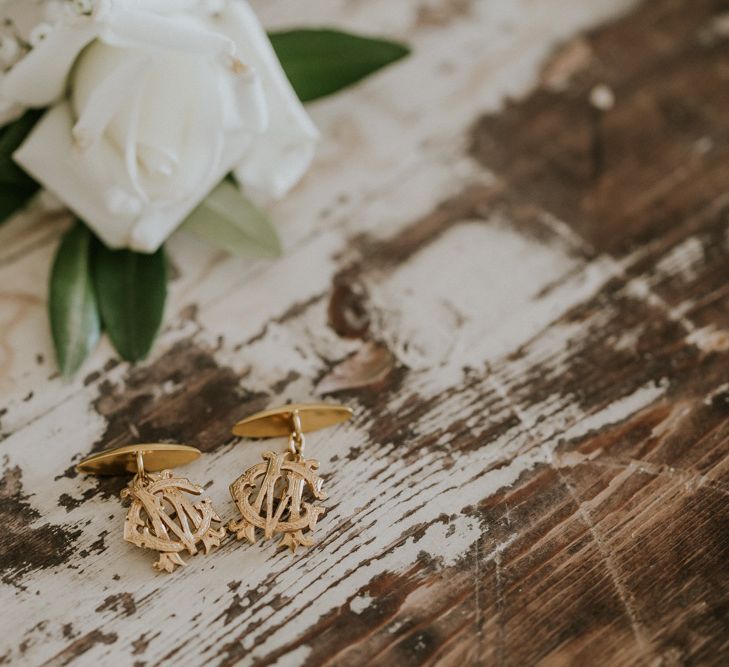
(142, 116)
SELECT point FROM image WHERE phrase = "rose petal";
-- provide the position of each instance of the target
(278, 157)
(174, 84)
(154, 226)
(163, 6)
(249, 103)
(40, 78)
(131, 143)
(200, 141)
(49, 156)
(97, 99)
(127, 27)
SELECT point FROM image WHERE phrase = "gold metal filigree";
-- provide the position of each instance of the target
(278, 495)
(162, 518)
(270, 497)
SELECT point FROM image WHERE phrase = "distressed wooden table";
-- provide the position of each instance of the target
(511, 260)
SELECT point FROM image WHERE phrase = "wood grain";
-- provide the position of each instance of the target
(523, 297)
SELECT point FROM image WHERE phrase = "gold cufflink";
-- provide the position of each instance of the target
(161, 517)
(278, 496)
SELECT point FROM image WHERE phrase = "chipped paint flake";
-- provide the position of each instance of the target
(618, 410)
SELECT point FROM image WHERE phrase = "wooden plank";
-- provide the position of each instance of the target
(525, 305)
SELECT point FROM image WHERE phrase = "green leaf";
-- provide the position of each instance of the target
(131, 289)
(321, 62)
(228, 220)
(16, 187)
(72, 304)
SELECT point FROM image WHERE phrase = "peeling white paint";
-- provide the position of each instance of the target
(709, 339)
(618, 410)
(360, 602)
(683, 260)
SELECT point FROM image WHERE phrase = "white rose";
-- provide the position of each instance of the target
(152, 103)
